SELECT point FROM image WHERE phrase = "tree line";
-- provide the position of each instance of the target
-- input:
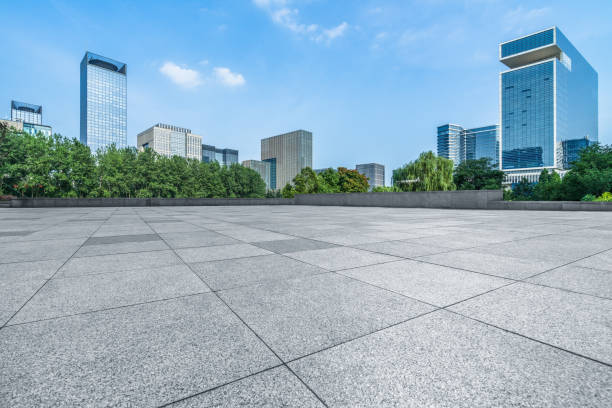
(56, 166)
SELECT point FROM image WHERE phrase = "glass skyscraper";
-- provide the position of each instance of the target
(548, 103)
(26, 112)
(103, 102)
(459, 144)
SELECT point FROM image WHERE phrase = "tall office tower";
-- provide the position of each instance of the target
(26, 113)
(548, 104)
(225, 157)
(170, 141)
(459, 144)
(288, 154)
(374, 172)
(30, 117)
(449, 142)
(261, 167)
(103, 102)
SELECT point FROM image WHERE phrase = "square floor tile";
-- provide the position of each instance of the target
(578, 323)
(586, 280)
(301, 316)
(401, 248)
(231, 273)
(27, 251)
(118, 262)
(144, 355)
(338, 258)
(73, 295)
(285, 246)
(196, 239)
(215, 253)
(444, 360)
(429, 283)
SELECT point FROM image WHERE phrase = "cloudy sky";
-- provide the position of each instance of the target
(370, 79)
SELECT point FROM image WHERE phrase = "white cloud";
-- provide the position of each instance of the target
(229, 78)
(185, 77)
(289, 18)
(521, 19)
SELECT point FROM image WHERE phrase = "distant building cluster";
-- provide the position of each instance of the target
(28, 118)
(548, 110)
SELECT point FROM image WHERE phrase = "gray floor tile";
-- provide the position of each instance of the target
(35, 270)
(118, 239)
(433, 284)
(285, 246)
(118, 262)
(513, 268)
(301, 316)
(215, 253)
(121, 248)
(277, 387)
(26, 251)
(13, 294)
(253, 234)
(72, 295)
(444, 360)
(601, 261)
(338, 258)
(231, 273)
(575, 322)
(143, 355)
(401, 248)
(196, 239)
(586, 280)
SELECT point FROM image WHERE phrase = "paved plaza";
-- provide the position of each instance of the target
(305, 307)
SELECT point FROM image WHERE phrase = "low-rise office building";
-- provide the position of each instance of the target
(169, 140)
(262, 168)
(374, 172)
(30, 117)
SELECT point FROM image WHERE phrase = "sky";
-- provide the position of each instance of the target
(370, 79)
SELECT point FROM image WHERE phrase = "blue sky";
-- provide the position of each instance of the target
(370, 79)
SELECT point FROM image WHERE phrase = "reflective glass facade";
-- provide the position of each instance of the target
(34, 129)
(225, 157)
(459, 144)
(26, 112)
(103, 102)
(272, 173)
(528, 43)
(549, 104)
(262, 168)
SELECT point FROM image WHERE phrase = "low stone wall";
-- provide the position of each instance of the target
(551, 205)
(142, 202)
(461, 199)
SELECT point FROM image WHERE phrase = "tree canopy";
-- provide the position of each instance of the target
(427, 173)
(342, 180)
(478, 175)
(40, 166)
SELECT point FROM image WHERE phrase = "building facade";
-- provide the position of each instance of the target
(262, 168)
(30, 118)
(225, 157)
(169, 141)
(26, 113)
(459, 144)
(103, 102)
(374, 172)
(287, 154)
(17, 125)
(548, 103)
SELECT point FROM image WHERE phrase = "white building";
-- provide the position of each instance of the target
(169, 140)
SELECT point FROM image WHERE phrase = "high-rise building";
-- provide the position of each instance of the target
(261, 167)
(103, 102)
(374, 172)
(30, 117)
(548, 101)
(225, 157)
(26, 113)
(288, 154)
(170, 141)
(459, 144)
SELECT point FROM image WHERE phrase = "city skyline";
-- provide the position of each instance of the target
(234, 91)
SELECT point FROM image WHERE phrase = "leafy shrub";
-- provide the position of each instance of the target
(588, 197)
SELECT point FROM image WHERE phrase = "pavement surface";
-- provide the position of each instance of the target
(305, 307)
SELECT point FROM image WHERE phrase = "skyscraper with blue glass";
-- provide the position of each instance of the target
(459, 144)
(103, 102)
(548, 102)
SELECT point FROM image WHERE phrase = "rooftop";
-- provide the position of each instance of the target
(304, 306)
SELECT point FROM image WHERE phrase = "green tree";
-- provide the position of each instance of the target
(478, 175)
(306, 182)
(288, 191)
(427, 173)
(351, 181)
(329, 181)
(590, 174)
(523, 190)
(548, 187)
(388, 189)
